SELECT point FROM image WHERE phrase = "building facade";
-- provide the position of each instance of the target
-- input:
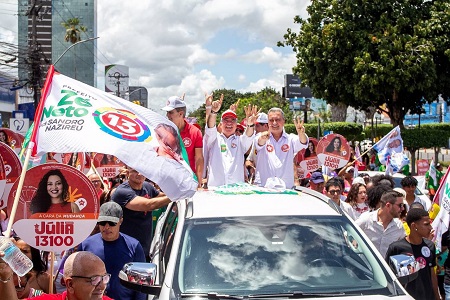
(79, 62)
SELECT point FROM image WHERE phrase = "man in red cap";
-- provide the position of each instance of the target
(226, 150)
(192, 136)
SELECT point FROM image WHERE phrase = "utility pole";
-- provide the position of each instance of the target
(34, 58)
(118, 76)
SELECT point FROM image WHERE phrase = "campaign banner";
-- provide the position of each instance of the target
(333, 151)
(306, 159)
(422, 166)
(58, 207)
(107, 165)
(12, 169)
(12, 139)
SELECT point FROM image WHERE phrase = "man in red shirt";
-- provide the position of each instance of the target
(84, 275)
(192, 136)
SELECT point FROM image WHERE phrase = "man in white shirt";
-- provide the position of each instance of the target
(383, 226)
(334, 190)
(276, 149)
(226, 150)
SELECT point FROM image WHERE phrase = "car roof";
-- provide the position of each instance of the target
(210, 204)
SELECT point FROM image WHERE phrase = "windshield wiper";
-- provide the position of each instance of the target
(211, 296)
(297, 295)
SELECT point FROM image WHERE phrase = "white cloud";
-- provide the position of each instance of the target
(165, 43)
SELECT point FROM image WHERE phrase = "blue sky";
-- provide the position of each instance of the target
(190, 47)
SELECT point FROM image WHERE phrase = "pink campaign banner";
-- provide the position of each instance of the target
(107, 165)
(12, 139)
(58, 207)
(333, 151)
(12, 167)
(306, 160)
(422, 166)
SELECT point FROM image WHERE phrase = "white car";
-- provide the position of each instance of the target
(420, 191)
(261, 244)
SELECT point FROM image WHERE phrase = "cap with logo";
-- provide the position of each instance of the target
(262, 118)
(317, 177)
(110, 212)
(229, 114)
(174, 102)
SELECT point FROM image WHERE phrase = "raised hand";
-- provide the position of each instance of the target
(251, 113)
(234, 106)
(300, 129)
(263, 138)
(217, 104)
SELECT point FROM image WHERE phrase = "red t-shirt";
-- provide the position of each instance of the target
(192, 138)
(59, 297)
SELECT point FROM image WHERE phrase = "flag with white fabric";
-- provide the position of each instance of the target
(440, 223)
(391, 142)
(432, 173)
(75, 117)
(396, 162)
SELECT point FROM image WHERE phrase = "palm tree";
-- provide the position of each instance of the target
(73, 30)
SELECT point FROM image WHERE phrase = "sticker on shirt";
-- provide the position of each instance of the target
(187, 142)
(233, 145)
(285, 148)
(223, 148)
(269, 148)
(425, 251)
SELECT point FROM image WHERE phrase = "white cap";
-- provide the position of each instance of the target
(262, 118)
(174, 102)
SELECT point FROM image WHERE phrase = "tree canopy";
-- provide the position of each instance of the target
(365, 53)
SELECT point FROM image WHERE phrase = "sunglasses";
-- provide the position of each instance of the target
(103, 223)
(95, 280)
(333, 192)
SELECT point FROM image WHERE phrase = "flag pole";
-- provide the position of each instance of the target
(31, 145)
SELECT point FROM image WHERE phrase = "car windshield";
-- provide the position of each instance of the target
(274, 255)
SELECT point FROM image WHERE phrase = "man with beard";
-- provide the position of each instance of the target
(115, 249)
(383, 226)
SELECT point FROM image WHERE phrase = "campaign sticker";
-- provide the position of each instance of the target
(285, 148)
(425, 251)
(57, 209)
(333, 151)
(269, 148)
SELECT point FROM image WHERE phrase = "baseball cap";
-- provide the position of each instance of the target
(229, 114)
(110, 212)
(358, 180)
(240, 126)
(174, 102)
(317, 177)
(438, 165)
(262, 118)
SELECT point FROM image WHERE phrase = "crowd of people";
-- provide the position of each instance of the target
(258, 151)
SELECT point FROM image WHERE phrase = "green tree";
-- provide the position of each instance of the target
(73, 30)
(367, 53)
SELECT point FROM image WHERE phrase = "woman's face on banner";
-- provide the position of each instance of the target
(54, 186)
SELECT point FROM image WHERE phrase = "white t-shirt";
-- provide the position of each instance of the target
(225, 157)
(276, 158)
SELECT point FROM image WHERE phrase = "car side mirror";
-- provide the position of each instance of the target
(405, 267)
(140, 277)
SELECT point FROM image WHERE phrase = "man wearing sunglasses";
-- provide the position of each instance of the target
(383, 226)
(334, 190)
(85, 277)
(115, 249)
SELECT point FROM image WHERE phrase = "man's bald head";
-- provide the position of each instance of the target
(79, 262)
